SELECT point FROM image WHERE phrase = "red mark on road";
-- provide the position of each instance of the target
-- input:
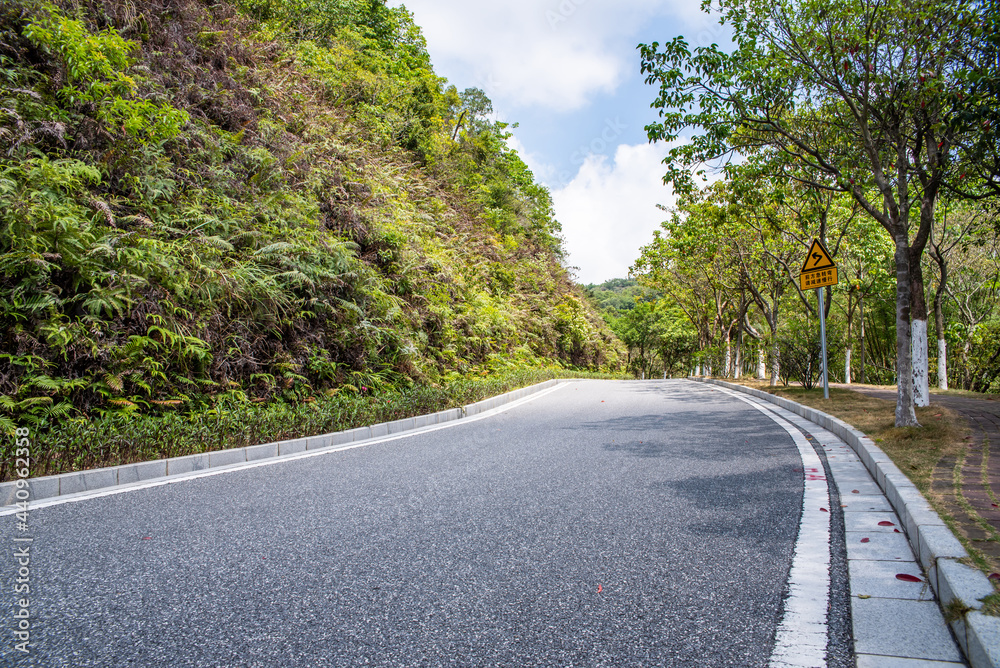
(886, 523)
(600, 589)
(906, 577)
(865, 540)
(824, 510)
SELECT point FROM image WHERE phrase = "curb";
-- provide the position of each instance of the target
(959, 588)
(47, 487)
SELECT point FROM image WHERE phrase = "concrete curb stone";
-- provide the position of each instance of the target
(292, 446)
(87, 481)
(934, 544)
(141, 471)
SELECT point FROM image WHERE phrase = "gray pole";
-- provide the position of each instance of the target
(822, 336)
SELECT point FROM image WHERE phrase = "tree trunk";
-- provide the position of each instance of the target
(738, 361)
(942, 364)
(727, 368)
(847, 366)
(861, 319)
(921, 362)
(939, 317)
(919, 358)
(775, 354)
(761, 362)
(906, 416)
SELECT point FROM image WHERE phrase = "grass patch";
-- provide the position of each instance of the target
(991, 605)
(87, 443)
(915, 450)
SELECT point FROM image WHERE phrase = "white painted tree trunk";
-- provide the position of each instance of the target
(729, 360)
(847, 366)
(761, 364)
(942, 364)
(921, 362)
(738, 368)
(775, 364)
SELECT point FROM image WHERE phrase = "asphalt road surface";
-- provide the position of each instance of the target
(602, 524)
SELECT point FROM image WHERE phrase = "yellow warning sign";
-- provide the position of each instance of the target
(817, 258)
(819, 270)
(820, 278)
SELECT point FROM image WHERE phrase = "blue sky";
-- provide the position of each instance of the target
(567, 71)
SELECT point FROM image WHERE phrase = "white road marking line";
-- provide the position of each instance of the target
(171, 480)
(802, 636)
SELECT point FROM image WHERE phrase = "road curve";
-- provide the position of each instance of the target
(603, 524)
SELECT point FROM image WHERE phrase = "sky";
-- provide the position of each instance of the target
(567, 72)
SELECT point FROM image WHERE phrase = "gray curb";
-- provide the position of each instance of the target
(87, 481)
(959, 588)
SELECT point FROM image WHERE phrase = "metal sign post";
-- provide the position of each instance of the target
(818, 271)
(822, 336)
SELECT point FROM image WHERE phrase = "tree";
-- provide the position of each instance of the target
(676, 339)
(864, 255)
(950, 233)
(862, 96)
(974, 287)
(690, 261)
(637, 328)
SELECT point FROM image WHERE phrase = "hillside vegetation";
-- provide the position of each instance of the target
(263, 202)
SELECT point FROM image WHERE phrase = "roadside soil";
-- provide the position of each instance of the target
(965, 485)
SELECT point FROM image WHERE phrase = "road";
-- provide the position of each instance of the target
(602, 524)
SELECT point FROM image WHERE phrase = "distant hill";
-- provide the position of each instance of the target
(620, 294)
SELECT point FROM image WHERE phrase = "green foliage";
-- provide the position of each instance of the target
(283, 206)
(234, 420)
(96, 66)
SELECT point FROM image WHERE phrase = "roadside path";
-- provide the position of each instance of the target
(968, 485)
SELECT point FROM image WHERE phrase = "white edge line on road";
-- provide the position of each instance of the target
(270, 461)
(802, 635)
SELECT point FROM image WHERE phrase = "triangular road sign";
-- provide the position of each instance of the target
(817, 258)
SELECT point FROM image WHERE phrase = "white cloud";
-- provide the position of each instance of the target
(544, 173)
(554, 54)
(608, 211)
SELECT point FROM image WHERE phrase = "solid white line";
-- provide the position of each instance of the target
(801, 638)
(171, 480)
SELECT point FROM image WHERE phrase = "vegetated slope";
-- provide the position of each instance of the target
(271, 199)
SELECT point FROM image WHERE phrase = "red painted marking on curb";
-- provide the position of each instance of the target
(865, 540)
(906, 577)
